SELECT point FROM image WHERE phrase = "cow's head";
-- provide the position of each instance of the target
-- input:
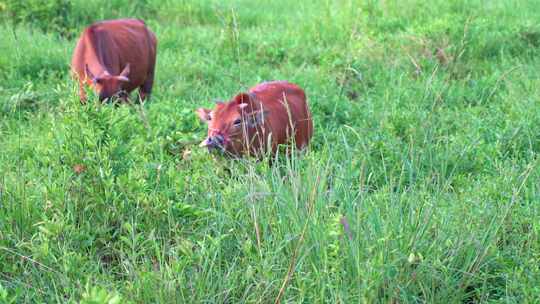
(232, 125)
(107, 85)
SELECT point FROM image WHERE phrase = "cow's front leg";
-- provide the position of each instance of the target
(82, 93)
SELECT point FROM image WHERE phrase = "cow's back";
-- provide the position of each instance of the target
(115, 43)
(287, 110)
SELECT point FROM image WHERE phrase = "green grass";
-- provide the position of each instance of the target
(422, 184)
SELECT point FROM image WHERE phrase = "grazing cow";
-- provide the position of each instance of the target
(114, 57)
(269, 114)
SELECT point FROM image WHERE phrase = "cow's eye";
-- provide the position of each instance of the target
(237, 122)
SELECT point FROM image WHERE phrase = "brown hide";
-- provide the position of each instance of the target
(269, 114)
(115, 56)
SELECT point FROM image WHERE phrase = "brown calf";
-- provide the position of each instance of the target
(115, 57)
(269, 114)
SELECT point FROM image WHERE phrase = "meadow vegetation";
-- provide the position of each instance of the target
(422, 183)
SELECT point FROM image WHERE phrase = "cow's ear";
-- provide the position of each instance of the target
(125, 71)
(89, 74)
(242, 98)
(204, 114)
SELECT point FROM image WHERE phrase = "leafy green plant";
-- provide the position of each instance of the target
(47, 15)
(96, 295)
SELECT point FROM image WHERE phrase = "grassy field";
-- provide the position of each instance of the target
(422, 183)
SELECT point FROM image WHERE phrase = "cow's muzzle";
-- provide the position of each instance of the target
(121, 95)
(213, 143)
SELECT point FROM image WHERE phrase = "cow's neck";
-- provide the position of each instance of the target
(98, 58)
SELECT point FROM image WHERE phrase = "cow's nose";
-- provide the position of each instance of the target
(121, 94)
(218, 140)
(214, 142)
